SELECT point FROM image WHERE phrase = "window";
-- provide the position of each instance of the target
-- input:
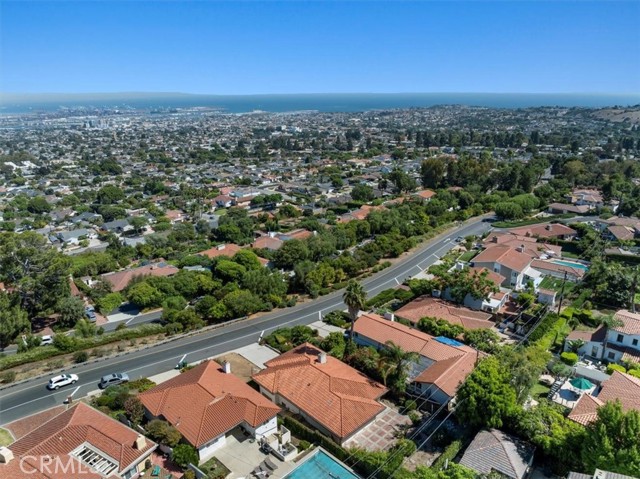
(594, 351)
(620, 338)
(611, 355)
(635, 342)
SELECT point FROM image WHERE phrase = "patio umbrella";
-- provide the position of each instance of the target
(581, 383)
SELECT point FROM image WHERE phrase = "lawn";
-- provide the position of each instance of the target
(5, 437)
(214, 469)
(555, 284)
(539, 391)
(468, 256)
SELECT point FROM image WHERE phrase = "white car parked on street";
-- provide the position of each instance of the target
(62, 380)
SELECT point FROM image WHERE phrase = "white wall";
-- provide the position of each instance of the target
(264, 429)
(207, 450)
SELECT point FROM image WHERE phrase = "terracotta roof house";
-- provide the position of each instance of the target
(228, 249)
(425, 194)
(564, 208)
(495, 451)
(426, 306)
(511, 263)
(548, 230)
(359, 214)
(593, 342)
(330, 395)
(121, 279)
(206, 403)
(620, 386)
(575, 273)
(443, 365)
(586, 197)
(79, 441)
(621, 233)
(298, 234)
(268, 242)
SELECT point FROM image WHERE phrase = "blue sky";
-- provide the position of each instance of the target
(293, 47)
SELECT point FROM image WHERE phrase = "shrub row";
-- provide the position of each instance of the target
(78, 344)
(307, 434)
(449, 454)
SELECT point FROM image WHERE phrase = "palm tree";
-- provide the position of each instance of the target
(576, 344)
(609, 321)
(400, 359)
(355, 298)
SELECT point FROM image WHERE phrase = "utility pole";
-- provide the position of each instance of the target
(562, 293)
(634, 285)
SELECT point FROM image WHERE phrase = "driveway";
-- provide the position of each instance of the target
(381, 433)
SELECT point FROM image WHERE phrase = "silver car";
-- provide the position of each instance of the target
(113, 379)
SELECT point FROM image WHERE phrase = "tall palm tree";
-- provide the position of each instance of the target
(400, 359)
(609, 321)
(355, 298)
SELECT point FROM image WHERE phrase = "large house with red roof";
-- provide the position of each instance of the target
(620, 387)
(443, 365)
(429, 307)
(206, 403)
(77, 442)
(330, 395)
(121, 279)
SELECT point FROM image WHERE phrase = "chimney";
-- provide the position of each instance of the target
(494, 239)
(520, 249)
(226, 366)
(6, 455)
(140, 443)
(548, 227)
(272, 234)
(220, 247)
(322, 358)
(390, 316)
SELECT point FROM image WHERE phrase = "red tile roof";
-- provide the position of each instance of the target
(452, 364)
(78, 425)
(596, 336)
(425, 194)
(426, 306)
(268, 242)
(546, 230)
(121, 279)
(221, 250)
(334, 394)
(631, 322)
(205, 402)
(495, 278)
(506, 256)
(620, 386)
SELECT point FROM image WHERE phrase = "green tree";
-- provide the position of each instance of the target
(110, 194)
(432, 171)
(483, 339)
(401, 362)
(403, 183)
(486, 398)
(71, 310)
(144, 295)
(242, 303)
(138, 223)
(229, 270)
(291, 253)
(362, 192)
(355, 299)
(248, 259)
(184, 454)
(134, 409)
(163, 432)
(85, 329)
(13, 320)
(38, 205)
(509, 211)
(612, 441)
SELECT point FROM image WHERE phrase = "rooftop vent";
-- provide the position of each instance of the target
(322, 358)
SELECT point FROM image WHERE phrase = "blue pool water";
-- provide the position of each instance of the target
(321, 466)
(570, 264)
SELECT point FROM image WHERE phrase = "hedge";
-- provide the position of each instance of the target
(615, 367)
(45, 352)
(545, 326)
(569, 358)
(634, 373)
(449, 454)
(307, 434)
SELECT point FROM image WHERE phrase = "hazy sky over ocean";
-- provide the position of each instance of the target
(330, 46)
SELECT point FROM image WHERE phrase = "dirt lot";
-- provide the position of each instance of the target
(241, 367)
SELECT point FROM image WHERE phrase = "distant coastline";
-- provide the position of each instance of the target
(279, 103)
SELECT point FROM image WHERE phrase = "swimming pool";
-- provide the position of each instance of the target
(571, 264)
(321, 466)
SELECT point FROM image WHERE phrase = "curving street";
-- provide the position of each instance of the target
(32, 396)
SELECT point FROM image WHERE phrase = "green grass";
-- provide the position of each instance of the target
(556, 285)
(214, 469)
(468, 256)
(539, 391)
(567, 254)
(5, 437)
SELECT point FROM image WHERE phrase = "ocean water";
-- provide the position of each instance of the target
(345, 102)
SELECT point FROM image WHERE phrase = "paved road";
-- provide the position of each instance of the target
(32, 396)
